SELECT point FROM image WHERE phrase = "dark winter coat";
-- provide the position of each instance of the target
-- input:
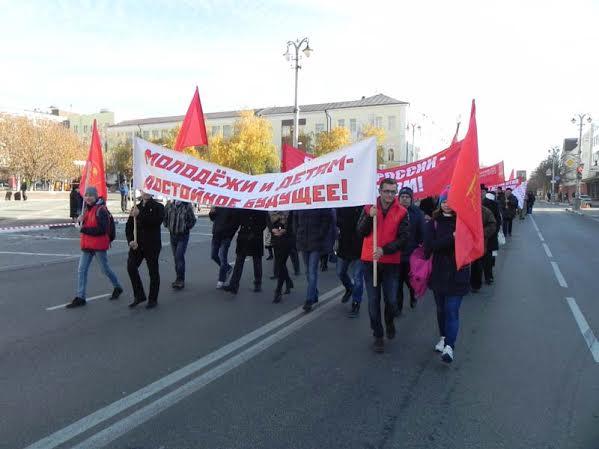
(312, 229)
(350, 241)
(511, 206)
(282, 220)
(179, 217)
(75, 204)
(493, 242)
(439, 242)
(489, 225)
(224, 223)
(149, 221)
(332, 235)
(250, 238)
(416, 235)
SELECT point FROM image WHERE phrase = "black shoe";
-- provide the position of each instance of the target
(116, 293)
(307, 306)
(390, 331)
(278, 298)
(355, 309)
(152, 304)
(230, 289)
(489, 281)
(324, 267)
(270, 257)
(178, 284)
(273, 277)
(474, 290)
(136, 302)
(77, 302)
(288, 290)
(413, 303)
(379, 345)
(346, 295)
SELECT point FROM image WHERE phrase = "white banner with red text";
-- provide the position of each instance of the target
(339, 179)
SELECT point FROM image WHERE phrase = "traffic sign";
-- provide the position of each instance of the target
(570, 162)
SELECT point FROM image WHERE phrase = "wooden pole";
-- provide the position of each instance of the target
(375, 246)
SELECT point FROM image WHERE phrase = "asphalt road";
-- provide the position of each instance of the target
(210, 370)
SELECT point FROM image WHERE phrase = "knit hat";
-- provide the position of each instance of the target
(406, 191)
(91, 191)
(444, 195)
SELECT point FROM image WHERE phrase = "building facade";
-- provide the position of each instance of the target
(379, 110)
(82, 124)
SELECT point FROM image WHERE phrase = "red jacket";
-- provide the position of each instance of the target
(388, 233)
(90, 222)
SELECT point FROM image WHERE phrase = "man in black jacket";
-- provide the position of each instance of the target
(149, 215)
(224, 227)
(493, 242)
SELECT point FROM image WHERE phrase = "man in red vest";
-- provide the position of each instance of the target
(95, 241)
(392, 237)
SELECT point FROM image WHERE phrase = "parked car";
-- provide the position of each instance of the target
(586, 201)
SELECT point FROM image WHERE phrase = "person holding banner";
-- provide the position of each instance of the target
(146, 219)
(312, 228)
(449, 285)
(392, 233)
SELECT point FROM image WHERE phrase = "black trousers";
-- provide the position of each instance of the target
(476, 274)
(295, 260)
(507, 226)
(281, 256)
(133, 262)
(238, 271)
(488, 263)
(404, 277)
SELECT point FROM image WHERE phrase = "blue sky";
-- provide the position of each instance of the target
(529, 64)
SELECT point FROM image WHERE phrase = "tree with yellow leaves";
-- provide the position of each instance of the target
(373, 131)
(249, 149)
(327, 141)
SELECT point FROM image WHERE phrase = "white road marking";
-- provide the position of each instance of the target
(18, 253)
(585, 329)
(137, 418)
(103, 414)
(534, 223)
(541, 237)
(559, 275)
(62, 306)
(547, 251)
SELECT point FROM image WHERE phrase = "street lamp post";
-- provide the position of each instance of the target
(414, 127)
(580, 121)
(553, 153)
(297, 46)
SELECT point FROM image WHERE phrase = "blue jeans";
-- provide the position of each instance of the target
(311, 261)
(179, 246)
(448, 317)
(387, 285)
(84, 262)
(220, 254)
(357, 286)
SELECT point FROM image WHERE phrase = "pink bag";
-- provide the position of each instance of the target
(420, 271)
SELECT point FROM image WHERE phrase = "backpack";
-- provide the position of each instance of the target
(111, 225)
(420, 271)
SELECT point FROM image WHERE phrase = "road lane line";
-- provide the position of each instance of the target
(547, 251)
(101, 415)
(17, 253)
(541, 237)
(534, 223)
(93, 298)
(139, 417)
(559, 275)
(585, 329)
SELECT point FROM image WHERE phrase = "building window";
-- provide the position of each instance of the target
(341, 123)
(227, 130)
(391, 122)
(378, 122)
(318, 128)
(215, 130)
(353, 126)
(391, 155)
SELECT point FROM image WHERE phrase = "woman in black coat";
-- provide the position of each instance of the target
(75, 202)
(449, 285)
(250, 243)
(280, 225)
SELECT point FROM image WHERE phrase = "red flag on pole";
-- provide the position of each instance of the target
(93, 172)
(292, 157)
(193, 129)
(464, 198)
(511, 175)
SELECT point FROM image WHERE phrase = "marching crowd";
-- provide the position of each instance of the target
(409, 238)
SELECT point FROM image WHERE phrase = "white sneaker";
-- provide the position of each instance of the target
(441, 345)
(447, 355)
(220, 285)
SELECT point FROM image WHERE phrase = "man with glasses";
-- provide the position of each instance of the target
(392, 237)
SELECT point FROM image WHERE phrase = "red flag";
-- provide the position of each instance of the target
(93, 172)
(464, 199)
(292, 157)
(193, 129)
(511, 175)
(492, 175)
